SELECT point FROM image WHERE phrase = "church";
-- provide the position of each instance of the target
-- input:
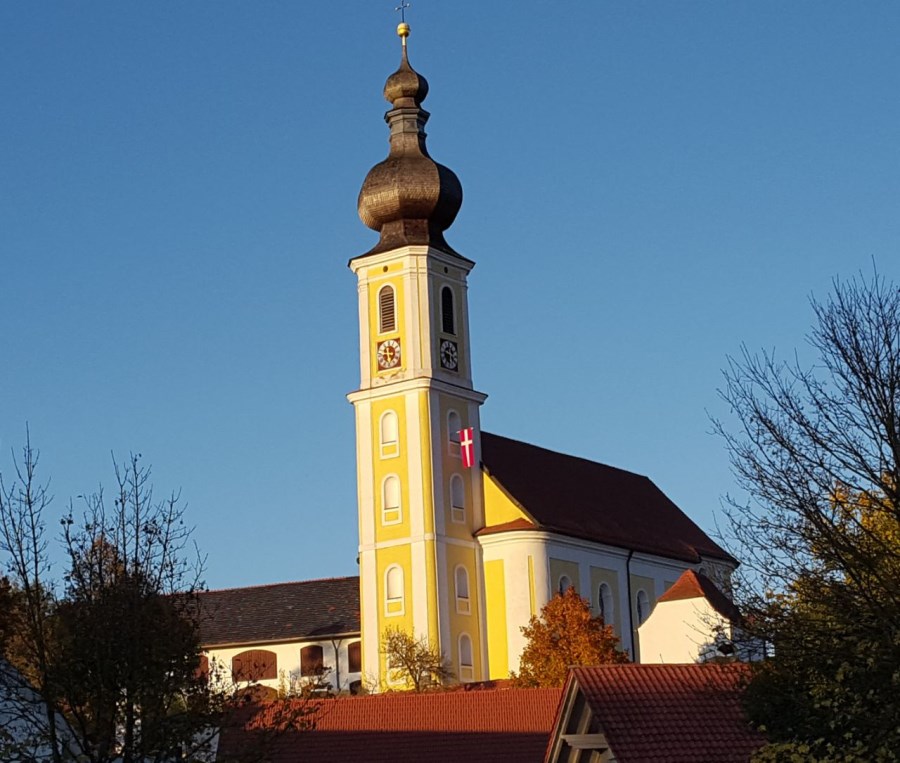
(463, 534)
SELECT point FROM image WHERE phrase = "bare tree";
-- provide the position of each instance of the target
(413, 660)
(817, 451)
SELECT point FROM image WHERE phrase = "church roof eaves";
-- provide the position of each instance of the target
(592, 501)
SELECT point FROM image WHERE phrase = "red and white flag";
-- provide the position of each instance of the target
(467, 446)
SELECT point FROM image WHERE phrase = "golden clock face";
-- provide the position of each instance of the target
(388, 354)
(449, 355)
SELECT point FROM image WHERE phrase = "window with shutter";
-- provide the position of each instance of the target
(387, 318)
(311, 661)
(354, 657)
(254, 665)
(448, 322)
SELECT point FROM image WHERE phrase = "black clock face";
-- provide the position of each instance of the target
(388, 354)
(449, 355)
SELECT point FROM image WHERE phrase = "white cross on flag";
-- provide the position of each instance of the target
(467, 446)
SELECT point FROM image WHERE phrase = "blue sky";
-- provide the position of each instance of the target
(647, 186)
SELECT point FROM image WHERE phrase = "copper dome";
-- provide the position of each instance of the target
(408, 198)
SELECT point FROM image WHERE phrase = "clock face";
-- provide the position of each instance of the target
(449, 355)
(388, 354)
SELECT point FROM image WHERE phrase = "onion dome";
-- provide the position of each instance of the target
(408, 198)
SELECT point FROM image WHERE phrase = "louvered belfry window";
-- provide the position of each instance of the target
(448, 324)
(387, 310)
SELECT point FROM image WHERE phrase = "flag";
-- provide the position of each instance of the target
(467, 446)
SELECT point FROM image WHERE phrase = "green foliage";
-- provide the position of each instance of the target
(817, 451)
(565, 635)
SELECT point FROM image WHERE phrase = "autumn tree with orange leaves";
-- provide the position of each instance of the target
(566, 634)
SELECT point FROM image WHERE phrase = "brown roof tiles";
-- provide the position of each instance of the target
(308, 609)
(585, 499)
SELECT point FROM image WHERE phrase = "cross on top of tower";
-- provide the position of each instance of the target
(402, 8)
(403, 27)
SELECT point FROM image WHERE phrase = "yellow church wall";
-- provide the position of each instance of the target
(560, 567)
(394, 465)
(600, 575)
(498, 508)
(402, 619)
(495, 606)
(460, 620)
(425, 435)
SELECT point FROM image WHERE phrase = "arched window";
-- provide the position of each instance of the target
(643, 606)
(391, 512)
(454, 425)
(393, 591)
(387, 313)
(254, 665)
(605, 604)
(466, 664)
(312, 661)
(448, 322)
(462, 590)
(354, 657)
(457, 499)
(389, 433)
(565, 583)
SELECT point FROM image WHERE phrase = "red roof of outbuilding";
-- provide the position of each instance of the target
(694, 585)
(670, 713)
(585, 499)
(471, 726)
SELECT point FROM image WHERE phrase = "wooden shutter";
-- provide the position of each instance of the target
(254, 665)
(387, 318)
(448, 324)
(311, 661)
(354, 658)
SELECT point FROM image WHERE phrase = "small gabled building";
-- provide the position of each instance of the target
(654, 714)
(695, 621)
(285, 633)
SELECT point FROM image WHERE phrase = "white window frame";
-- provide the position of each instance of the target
(391, 515)
(466, 672)
(401, 599)
(457, 510)
(453, 444)
(389, 448)
(463, 603)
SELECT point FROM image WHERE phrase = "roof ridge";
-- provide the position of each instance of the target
(274, 585)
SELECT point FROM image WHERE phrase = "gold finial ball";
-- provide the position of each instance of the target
(403, 29)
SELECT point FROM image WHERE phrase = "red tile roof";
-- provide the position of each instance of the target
(582, 498)
(472, 726)
(308, 609)
(670, 713)
(694, 585)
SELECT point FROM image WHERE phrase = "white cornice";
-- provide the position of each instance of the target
(416, 383)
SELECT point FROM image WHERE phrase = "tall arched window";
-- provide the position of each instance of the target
(462, 590)
(457, 499)
(393, 591)
(448, 319)
(391, 511)
(389, 433)
(565, 583)
(387, 312)
(605, 604)
(643, 606)
(454, 425)
(466, 663)
(312, 661)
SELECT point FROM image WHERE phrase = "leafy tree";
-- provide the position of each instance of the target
(817, 451)
(565, 635)
(113, 653)
(413, 660)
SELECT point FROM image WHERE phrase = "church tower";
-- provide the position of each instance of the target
(420, 565)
